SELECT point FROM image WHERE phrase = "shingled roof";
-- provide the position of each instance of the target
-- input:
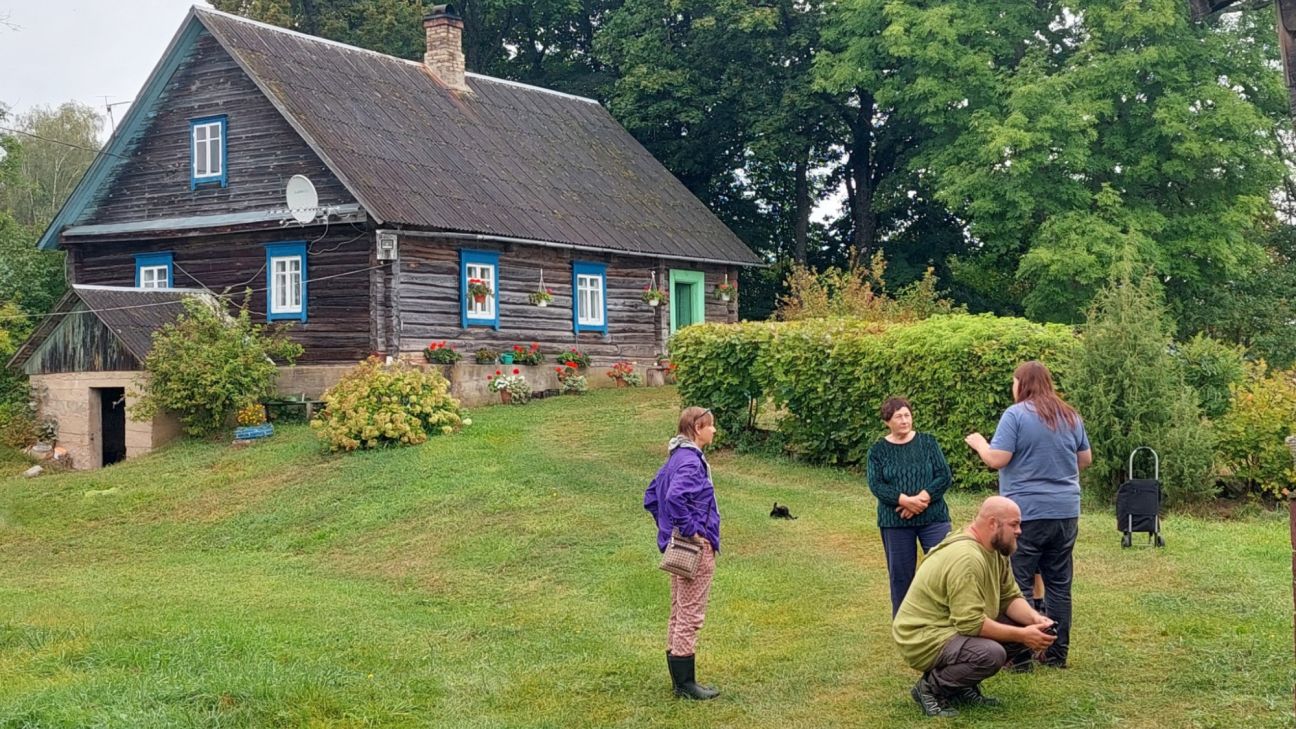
(505, 160)
(131, 314)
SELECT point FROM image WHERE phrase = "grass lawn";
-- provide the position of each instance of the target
(505, 577)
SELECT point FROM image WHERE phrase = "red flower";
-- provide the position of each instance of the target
(498, 372)
(516, 371)
(534, 346)
(558, 370)
(571, 364)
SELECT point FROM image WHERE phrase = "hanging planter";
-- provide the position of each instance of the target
(542, 295)
(726, 291)
(652, 295)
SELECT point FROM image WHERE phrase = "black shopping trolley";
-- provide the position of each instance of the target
(1138, 503)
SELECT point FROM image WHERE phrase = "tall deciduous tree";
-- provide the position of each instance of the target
(1071, 140)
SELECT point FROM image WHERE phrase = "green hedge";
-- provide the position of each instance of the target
(829, 377)
(719, 367)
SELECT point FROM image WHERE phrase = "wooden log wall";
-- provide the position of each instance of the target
(263, 150)
(429, 300)
(338, 326)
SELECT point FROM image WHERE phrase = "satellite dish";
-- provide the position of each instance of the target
(303, 201)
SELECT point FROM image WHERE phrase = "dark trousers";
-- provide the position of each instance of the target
(1045, 546)
(901, 547)
(966, 661)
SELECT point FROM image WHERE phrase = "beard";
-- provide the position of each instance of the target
(1003, 545)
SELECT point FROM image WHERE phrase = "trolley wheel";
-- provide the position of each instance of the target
(1157, 541)
(1126, 540)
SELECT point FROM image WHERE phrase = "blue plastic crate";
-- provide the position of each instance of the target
(252, 432)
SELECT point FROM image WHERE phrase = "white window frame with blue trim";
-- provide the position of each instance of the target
(153, 270)
(589, 297)
(207, 151)
(483, 265)
(286, 279)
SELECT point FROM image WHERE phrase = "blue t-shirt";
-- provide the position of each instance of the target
(1043, 477)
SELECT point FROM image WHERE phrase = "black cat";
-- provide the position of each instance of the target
(780, 512)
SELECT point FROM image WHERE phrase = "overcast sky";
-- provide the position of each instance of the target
(52, 51)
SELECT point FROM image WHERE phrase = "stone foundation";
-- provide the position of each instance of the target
(72, 400)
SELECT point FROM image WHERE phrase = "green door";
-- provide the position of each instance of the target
(687, 298)
(683, 298)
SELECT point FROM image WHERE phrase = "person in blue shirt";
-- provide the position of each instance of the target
(1039, 447)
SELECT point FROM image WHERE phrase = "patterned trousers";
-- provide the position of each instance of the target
(688, 605)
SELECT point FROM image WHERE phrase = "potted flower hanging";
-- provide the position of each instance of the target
(726, 290)
(478, 289)
(653, 296)
(541, 297)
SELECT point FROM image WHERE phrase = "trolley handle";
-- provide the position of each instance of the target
(1156, 462)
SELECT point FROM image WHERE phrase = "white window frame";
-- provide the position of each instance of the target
(208, 150)
(281, 279)
(154, 277)
(589, 300)
(486, 272)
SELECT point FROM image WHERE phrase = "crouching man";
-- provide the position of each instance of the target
(963, 618)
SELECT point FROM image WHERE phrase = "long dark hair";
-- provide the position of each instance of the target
(1035, 386)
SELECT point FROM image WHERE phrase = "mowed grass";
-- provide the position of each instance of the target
(506, 577)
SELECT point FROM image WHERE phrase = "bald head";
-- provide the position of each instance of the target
(997, 507)
(997, 525)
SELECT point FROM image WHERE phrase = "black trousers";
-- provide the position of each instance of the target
(1045, 546)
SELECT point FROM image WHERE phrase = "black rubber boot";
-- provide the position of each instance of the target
(684, 679)
(929, 700)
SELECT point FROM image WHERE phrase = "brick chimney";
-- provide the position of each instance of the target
(444, 57)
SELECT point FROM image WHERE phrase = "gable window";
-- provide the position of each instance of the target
(153, 271)
(479, 288)
(589, 297)
(207, 151)
(286, 281)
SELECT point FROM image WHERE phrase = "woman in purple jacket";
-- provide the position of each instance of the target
(682, 497)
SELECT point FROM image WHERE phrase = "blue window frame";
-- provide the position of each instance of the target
(479, 266)
(153, 271)
(589, 297)
(286, 281)
(207, 147)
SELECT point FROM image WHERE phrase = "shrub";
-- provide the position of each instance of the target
(581, 359)
(527, 355)
(1211, 368)
(376, 405)
(206, 365)
(18, 425)
(486, 356)
(624, 372)
(858, 292)
(439, 353)
(717, 368)
(1131, 393)
(1250, 435)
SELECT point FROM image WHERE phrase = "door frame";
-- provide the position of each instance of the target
(698, 280)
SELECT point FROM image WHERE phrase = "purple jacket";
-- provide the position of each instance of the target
(682, 496)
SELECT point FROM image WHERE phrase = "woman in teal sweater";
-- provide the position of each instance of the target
(908, 474)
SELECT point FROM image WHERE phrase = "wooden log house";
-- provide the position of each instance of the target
(427, 176)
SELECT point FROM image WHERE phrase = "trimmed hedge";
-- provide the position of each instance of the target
(828, 377)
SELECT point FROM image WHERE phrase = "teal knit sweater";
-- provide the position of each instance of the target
(908, 469)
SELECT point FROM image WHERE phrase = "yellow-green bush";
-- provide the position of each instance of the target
(1250, 436)
(376, 405)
